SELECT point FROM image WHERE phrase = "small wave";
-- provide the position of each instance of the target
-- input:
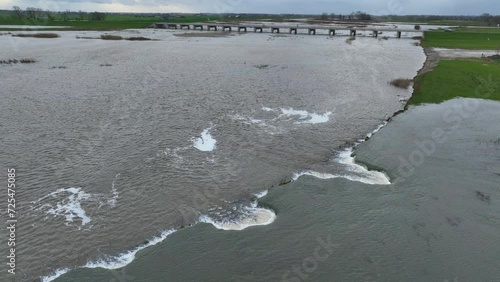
(261, 194)
(113, 262)
(69, 206)
(369, 135)
(247, 120)
(114, 193)
(248, 216)
(305, 116)
(205, 143)
(124, 259)
(358, 172)
(55, 275)
(264, 124)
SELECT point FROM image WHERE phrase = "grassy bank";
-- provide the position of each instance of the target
(405, 20)
(475, 39)
(110, 23)
(458, 78)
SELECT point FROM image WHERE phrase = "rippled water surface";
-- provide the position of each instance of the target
(437, 221)
(115, 143)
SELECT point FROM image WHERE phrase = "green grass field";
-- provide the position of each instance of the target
(478, 29)
(476, 39)
(458, 78)
(111, 22)
(435, 22)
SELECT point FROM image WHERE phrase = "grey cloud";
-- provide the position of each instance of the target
(446, 7)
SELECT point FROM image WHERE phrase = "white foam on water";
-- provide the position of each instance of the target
(55, 275)
(70, 207)
(205, 143)
(247, 120)
(113, 262)
(305, 116)
(369, 135)
(261, 194)
(360, 172)
(267, 109)
(124, 259)
(253, 216)
(114, 193)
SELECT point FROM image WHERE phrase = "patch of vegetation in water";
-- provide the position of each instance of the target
(37, 35)
(402, 82)
(17, 61)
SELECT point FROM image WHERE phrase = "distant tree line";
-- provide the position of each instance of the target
(360, 16)
(486, 18)
(37, 14)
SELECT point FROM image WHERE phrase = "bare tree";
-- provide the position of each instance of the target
(65, 15)
(18, 12)
(486, 17)
(81, 15)
(96, 16)
(31, 13)
(49, 15)
(496, 20)
(34, 13)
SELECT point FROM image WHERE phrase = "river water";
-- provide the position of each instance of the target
(438, 220)
(116, 144)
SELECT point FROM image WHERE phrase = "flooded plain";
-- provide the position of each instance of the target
(118, 143)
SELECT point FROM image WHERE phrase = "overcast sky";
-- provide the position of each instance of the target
(375, 7)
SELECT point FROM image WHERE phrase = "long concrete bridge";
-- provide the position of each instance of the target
(292, 29)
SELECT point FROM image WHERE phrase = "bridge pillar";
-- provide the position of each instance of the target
(399, 34)
(312, 31)
(331, 32)
(240, 28)
(210, 27)
(273, 29)
(226, 27)
(170, 26)
(185, 25)
(353, 32)
(255, 29)
(198, 26)
(375, 33)
(293, 30)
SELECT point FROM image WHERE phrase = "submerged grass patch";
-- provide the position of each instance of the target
(111, 37)
(402, 82)
(458, 78)
(350, 40)
(17, 61)
(138, 38)
(204, 34)
(37, 35)
(116, 37)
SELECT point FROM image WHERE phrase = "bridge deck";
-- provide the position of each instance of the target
(319, 27)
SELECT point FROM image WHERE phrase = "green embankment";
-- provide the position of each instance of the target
(458, 78)
(111, 22)
(462, 38)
